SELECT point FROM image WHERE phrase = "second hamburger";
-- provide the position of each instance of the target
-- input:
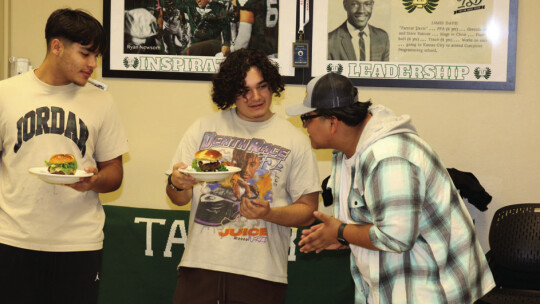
(208, 160)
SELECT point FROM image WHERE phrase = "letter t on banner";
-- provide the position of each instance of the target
(149, 221)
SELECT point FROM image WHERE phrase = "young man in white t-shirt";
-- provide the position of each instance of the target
(239, 229)
(51, 236)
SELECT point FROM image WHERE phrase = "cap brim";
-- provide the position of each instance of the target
(298, 109)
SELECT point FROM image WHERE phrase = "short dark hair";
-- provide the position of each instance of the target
(352, 115)
(76, 26)
(229, 82)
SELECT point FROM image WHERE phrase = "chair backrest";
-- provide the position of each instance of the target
(514, 238)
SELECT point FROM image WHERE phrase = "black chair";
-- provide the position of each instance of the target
(514, 257)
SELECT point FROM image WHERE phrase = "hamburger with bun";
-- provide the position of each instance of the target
(208, 160)
(64, 164)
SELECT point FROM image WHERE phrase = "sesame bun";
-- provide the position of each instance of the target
(208, 155)
(61, 159)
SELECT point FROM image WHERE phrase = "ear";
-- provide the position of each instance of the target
(334, 125)
(57, 46)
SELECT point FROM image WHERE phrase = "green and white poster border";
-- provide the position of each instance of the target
(457, 44)
(117, 63)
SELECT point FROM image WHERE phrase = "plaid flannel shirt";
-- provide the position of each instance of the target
(428, 247)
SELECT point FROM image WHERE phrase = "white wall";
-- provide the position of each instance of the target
(493, 134)
(3, 39)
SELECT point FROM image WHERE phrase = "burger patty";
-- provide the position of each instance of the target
(209, 167)
(60, 172)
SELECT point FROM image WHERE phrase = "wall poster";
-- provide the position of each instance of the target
(468, 44)
(183, 39)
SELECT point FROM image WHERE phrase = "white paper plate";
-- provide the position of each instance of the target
(43, 173)
(210, 176)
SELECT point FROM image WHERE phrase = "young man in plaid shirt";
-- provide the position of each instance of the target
(411, 237)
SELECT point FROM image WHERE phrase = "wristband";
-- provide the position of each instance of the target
(340, 237)
(169, 181)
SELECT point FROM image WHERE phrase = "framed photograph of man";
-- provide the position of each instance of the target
(469, 44)
(188, 39)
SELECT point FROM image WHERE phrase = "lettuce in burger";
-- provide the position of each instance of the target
(64, 164)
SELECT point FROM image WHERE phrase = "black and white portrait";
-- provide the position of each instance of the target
(356, 38)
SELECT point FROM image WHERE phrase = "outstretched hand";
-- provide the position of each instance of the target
(321, 236)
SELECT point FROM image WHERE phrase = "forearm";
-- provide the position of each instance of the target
(179, 198)
(296, 215)
(325, 235)
(109, 176)
(359, 235)
(244, 34)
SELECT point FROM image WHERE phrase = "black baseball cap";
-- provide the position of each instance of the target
(327, 91)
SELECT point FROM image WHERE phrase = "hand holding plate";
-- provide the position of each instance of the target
(86, 183)
(181, 180)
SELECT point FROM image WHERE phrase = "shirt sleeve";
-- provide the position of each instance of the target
(394, 195)
(247, 5)
(112, 141)
(304, 172)
(185, 152)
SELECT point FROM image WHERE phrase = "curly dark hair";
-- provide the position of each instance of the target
(76, 26)
(229, 82)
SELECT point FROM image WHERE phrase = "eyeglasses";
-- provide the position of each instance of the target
(306, 118)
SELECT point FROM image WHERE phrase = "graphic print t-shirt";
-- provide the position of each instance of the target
(274, 167)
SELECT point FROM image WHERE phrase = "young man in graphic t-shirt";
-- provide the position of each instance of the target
(239, 229)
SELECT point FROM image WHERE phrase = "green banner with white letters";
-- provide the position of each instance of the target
(143, 247)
